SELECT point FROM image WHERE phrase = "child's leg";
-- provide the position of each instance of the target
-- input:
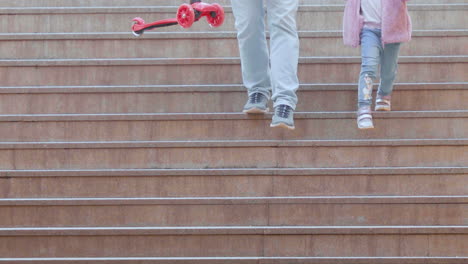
(388, 69)
(371, 49)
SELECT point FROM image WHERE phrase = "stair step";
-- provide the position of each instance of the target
(222, 98)
(244, 260)
(236, 211)
(210, 61)
(234, 230)
(307, 241)
(144, 71)
(233, 154)
(211, 88)
(202, 44)
(236, 172)
(430, 181)
(227, 126)
(233, 143)
(85, 3)
(118, 19)
(294, 200)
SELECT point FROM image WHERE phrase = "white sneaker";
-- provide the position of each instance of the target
(364, 118)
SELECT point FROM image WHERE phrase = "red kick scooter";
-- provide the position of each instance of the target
(187, 14)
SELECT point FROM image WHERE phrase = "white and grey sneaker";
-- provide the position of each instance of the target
(283, 117)
(256, 104)
(364, 118)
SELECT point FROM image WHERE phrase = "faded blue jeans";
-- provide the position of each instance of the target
(264, 71)
(373, 54)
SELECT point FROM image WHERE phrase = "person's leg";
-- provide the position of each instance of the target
(388, 70)
(284, 50)
(249, 21)
(284, 58)
(371, 48)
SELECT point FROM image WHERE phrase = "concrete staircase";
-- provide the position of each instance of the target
(115, 149)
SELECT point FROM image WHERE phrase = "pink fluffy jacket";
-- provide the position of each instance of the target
(396, 22)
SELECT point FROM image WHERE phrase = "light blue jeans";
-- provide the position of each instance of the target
(374, 54)
(263, 72)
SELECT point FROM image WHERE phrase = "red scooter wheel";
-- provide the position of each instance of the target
(138, 22)
(185, 16)
(216, 19)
